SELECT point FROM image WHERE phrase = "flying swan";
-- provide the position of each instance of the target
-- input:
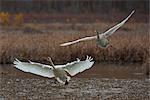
(101, 37)
(59, 72)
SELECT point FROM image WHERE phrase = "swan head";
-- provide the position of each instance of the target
(97, 32)
(103, 42)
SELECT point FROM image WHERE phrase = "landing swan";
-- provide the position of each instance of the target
(59, 72)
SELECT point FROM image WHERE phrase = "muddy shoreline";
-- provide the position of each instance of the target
(101, 82)
(15, 88)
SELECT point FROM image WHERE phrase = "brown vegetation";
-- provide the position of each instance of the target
(4, 18)
(18, 19)
(7, 19)
(127, 45)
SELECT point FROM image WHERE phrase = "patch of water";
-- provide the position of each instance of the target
(105, 71)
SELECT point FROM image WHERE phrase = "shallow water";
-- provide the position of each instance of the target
(133, 71)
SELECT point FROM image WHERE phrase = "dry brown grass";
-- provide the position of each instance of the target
(4, 18)
(8, 19)
(18, 19)
(126, 45)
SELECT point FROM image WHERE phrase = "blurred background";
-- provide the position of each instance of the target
(76, 10)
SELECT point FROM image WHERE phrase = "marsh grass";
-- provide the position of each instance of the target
(124, 48)
(130, 44)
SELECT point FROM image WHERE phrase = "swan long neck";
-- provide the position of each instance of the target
(51, 62)
(97, 35)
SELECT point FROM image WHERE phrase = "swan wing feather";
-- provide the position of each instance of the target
(116, 27)
(34, 68)
(78, 66)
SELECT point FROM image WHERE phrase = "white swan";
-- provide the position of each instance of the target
(101, 37)
(57, 71)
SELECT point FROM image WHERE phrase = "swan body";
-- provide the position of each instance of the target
(59, 72)
(101, 37)
(103, 42)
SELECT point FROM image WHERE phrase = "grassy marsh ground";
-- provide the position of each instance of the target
(39, 41)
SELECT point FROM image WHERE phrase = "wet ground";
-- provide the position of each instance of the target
(101, 82)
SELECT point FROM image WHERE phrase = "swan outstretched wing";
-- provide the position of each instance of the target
(79, 40)
(78, 66)
(116, 27)
(34, 68)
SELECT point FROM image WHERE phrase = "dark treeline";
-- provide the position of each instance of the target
(73, 6)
